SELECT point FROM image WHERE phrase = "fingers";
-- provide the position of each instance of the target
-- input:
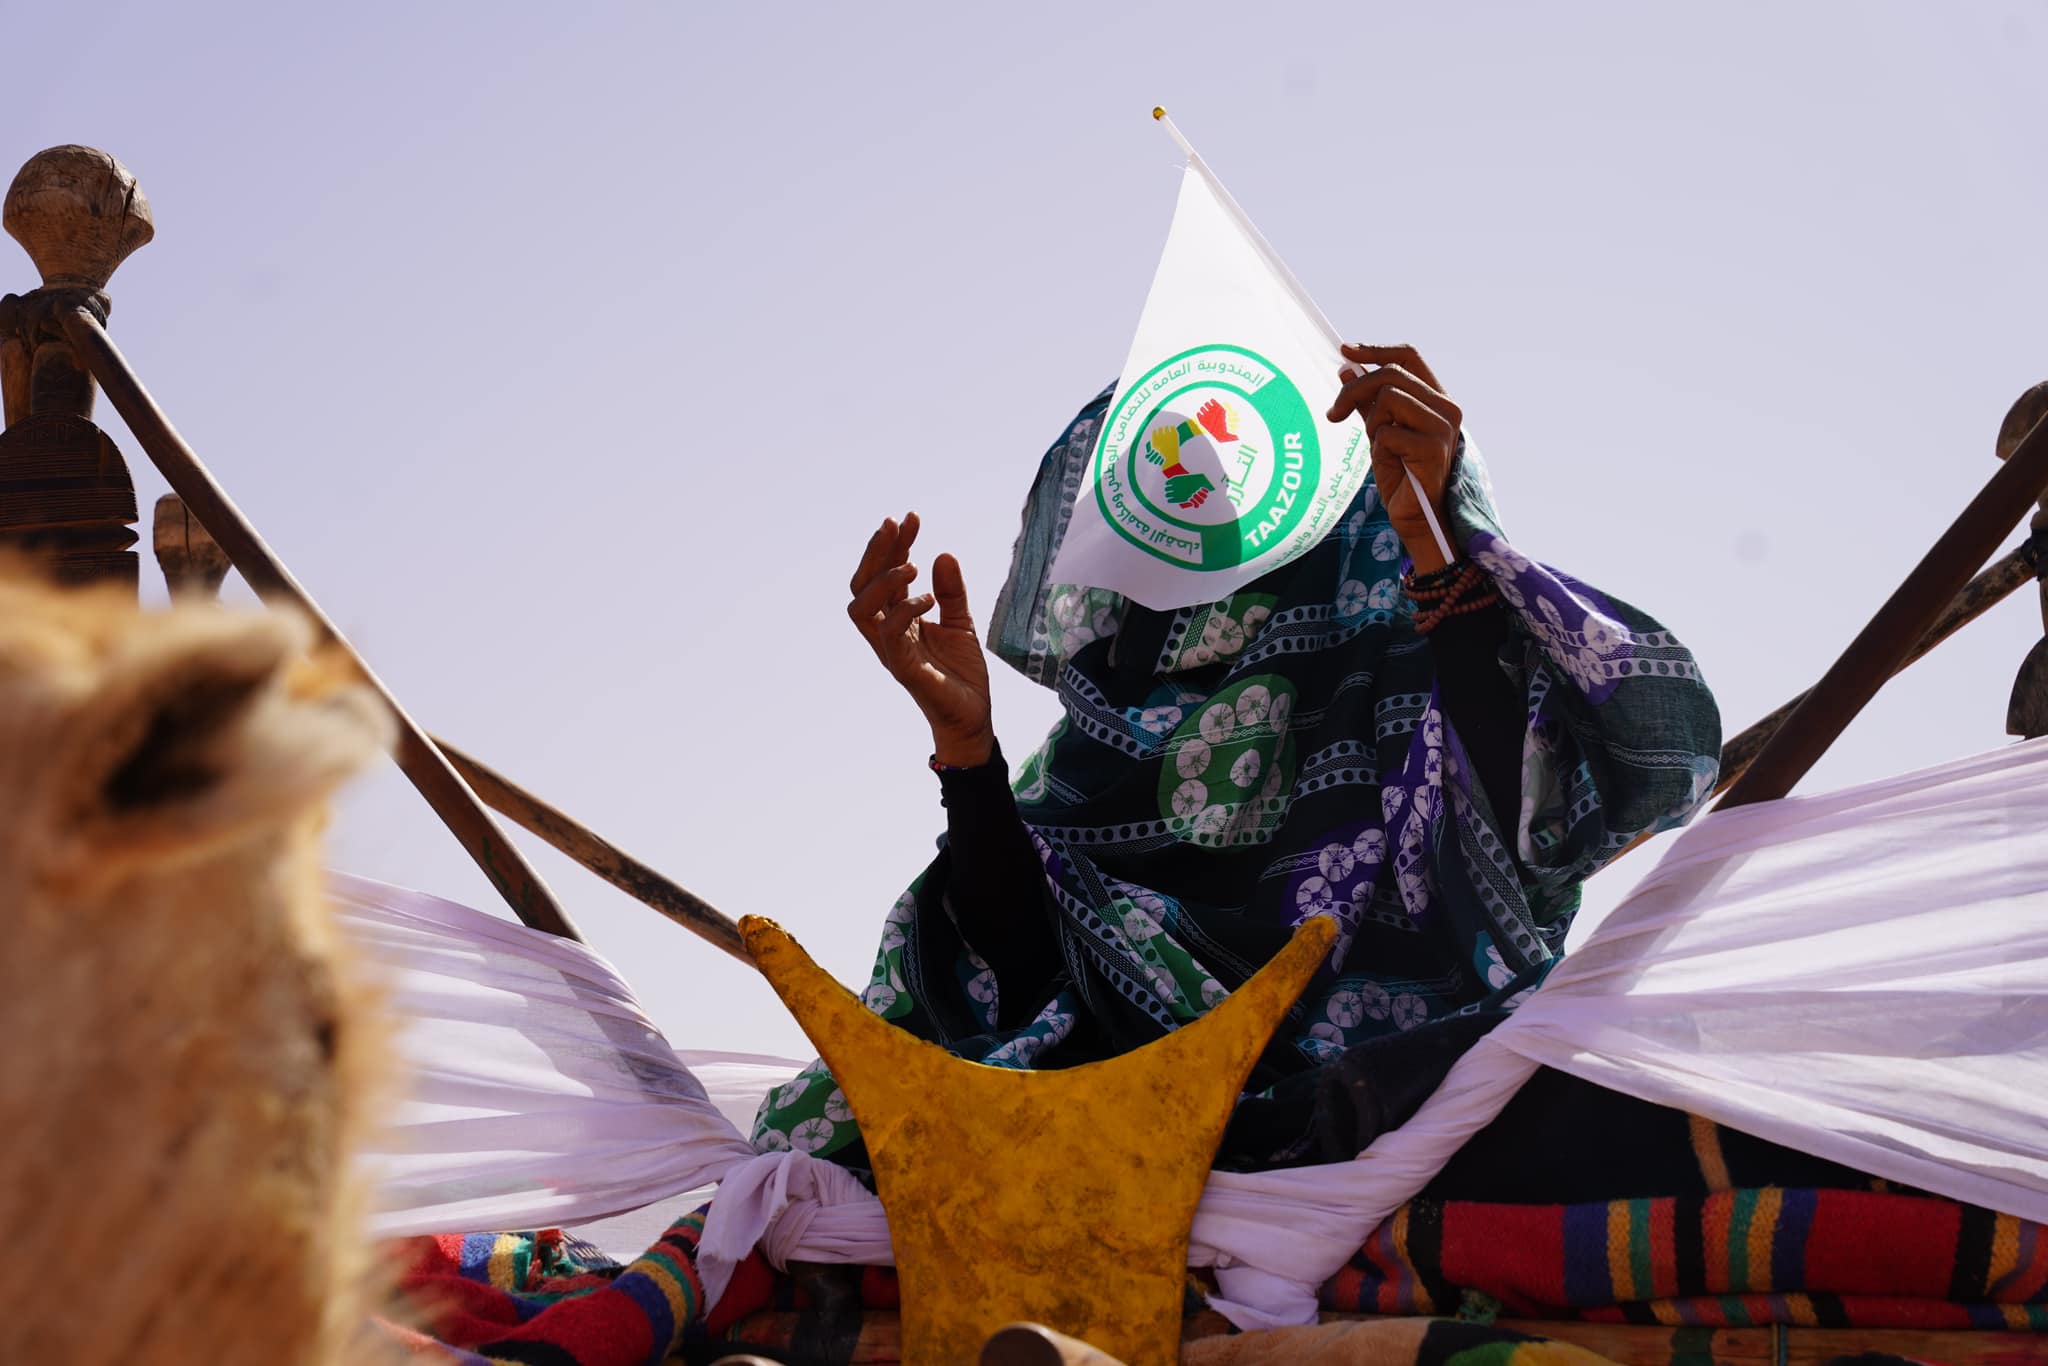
(949, 586)
(1399, 452)
(1358, 394)
(1407, 357)
(897, 619)
(873, 558)
(877, 596)
(1397, 407)
(890, 545)
(1215, 419)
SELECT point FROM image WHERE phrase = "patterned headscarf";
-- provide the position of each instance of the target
(1225, 771)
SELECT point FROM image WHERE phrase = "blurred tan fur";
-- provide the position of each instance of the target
(187, 1056)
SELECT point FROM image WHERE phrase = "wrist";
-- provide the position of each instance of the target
(970, 750)
(1422, 549)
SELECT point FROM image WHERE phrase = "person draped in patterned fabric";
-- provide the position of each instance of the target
(1437, 758)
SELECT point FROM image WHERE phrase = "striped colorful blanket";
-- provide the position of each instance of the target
(1748, 1257)
(546, 1299)
(1829, 1258)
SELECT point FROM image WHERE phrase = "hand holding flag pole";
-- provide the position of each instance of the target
(1301, 297)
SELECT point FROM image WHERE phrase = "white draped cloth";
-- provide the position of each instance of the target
(537, 1092)
(1861, 975)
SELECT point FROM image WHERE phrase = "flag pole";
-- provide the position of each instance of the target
(1294, 287)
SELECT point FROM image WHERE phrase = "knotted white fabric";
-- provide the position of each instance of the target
(794, 1207)
(1861, 975)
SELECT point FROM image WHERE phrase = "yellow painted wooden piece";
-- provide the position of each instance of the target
(1062, 1197)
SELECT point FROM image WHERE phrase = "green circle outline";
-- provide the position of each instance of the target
(1213, 533)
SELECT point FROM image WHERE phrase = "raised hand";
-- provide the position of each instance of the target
(939, 663)
(1410, 422)
(1215, 420)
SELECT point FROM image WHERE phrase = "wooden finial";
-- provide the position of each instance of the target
(78, 213)
(2026, 410)
(192, 561)
(65, 494)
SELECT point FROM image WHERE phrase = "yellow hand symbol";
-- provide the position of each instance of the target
(1166, 441)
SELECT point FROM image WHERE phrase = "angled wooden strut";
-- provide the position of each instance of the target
(1059, 1197)
(2026, 715)
(598, 854)
(436, 781)
(1882, 647)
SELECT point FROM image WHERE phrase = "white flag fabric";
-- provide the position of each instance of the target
(1214, 464)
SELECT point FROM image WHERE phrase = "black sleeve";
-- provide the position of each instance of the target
(997, 888)
(1481, 704)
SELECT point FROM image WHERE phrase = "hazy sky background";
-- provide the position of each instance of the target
(569, 352)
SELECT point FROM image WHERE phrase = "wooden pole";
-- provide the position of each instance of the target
(1882, 647)
(2026, 714)
(194, 564)
(430, 772)
(599, 855)
(2005, 576)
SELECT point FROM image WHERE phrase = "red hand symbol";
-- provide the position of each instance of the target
(1215, 420)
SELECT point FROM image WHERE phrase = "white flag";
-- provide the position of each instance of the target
(1214, 464)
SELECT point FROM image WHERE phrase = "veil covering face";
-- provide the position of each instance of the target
(1222, 772)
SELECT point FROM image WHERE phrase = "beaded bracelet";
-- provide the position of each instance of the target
(1452, 581)
(1435, 580)
(1457, 589)
(1431, 618)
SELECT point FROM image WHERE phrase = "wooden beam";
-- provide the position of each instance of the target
(1883, 647)
(599, 855)
(193, 565)
(2004, 577)
(2026, 714)
(430, 772)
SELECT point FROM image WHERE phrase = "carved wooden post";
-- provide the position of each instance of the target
(192, 561)
(65, 494)
(2026, 715)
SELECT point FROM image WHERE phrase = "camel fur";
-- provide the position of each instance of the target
(187, 1058)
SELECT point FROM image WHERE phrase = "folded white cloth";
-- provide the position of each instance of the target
(1861, 975)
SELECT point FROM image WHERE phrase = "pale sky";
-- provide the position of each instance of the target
(568, 353)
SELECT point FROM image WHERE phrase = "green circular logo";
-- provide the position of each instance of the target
(1209, 460)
